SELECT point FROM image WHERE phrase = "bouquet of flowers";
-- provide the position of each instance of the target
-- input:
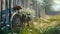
(27, 14)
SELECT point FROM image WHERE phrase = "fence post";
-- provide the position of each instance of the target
(10, 12)
(1, 10)
(7, 13)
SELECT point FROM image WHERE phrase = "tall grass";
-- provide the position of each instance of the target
(42, 26)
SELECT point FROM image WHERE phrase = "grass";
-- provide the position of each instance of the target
(42, 26)
(48, 26)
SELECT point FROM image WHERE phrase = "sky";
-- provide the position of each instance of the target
(56, 5)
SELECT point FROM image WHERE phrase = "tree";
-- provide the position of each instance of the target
(47, 4)
(25, 3)
(38, 5)
(43, 5)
